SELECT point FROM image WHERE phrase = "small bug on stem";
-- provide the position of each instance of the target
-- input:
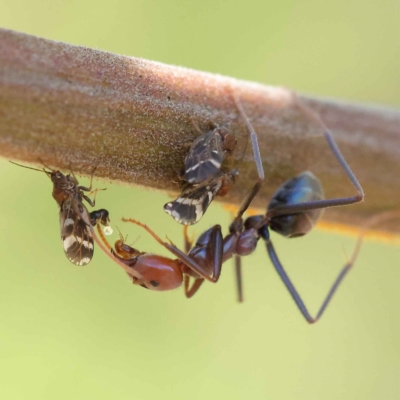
(206, 173)
(75, 220)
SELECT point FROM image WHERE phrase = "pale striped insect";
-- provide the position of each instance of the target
(75, 220)
(194, 200)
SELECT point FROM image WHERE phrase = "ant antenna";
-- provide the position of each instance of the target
(124, 239)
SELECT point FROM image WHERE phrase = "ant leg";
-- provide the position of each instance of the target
(239, 280)
(187, 240)
(294, 293)
(215, 248)
(257, 159)
(215, 251)
(195, 287)
(292, 290)
(197, 283)
(254, 140)
(334, 147)
(313, 205)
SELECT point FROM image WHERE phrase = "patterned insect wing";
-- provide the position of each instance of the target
(193, 202)
(204, 158)
(75, 232)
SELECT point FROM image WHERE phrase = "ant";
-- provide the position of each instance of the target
(292, 212)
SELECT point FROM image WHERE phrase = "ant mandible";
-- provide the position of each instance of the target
(292, 212)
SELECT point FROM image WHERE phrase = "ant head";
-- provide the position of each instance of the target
(125, 251)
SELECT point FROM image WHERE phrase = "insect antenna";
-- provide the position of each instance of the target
(35, 169)
(44, 165)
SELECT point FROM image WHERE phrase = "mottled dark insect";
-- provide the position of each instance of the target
(206, 174)
(75, 220)
(192, 203)
(206, 155)
(292, 212)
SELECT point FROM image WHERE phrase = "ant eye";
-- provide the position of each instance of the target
(154, 283)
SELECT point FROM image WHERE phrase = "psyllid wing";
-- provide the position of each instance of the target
(204, 158)
(193, 202)
(76, 235)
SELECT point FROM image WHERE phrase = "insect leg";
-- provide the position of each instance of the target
(91, 202)
(254, 140)
(257, 159)
(376, 219)
(313, 205)
(187, 240)
(295, 294)
(87, 189)
(239, 280)
(195, 287)
(197, 282)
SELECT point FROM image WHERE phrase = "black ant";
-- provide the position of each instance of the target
(292, 212)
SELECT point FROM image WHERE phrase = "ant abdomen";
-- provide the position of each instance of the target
(305, 187)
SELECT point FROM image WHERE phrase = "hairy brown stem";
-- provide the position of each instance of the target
(133, 118)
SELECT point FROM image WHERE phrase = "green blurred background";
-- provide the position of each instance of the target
(87, 333)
